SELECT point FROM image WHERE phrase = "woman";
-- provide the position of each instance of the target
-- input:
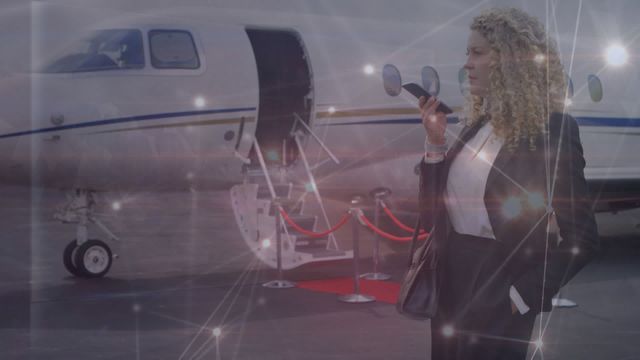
(489, 198)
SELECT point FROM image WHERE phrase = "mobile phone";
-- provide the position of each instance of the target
(417, 91)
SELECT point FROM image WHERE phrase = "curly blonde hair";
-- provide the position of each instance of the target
(526, 80)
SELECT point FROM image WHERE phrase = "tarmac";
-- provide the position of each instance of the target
(184, 276)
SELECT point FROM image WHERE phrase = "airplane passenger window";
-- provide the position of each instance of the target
(391, 80)
(113, 49)
(595, 88)
(173, 49)
(431, 80)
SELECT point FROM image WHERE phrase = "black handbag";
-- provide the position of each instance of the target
(418, 297)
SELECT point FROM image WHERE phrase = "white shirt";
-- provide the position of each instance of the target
(464, 193)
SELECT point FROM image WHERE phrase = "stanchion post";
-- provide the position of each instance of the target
(375, 275)
(356, 297)
(279, 283)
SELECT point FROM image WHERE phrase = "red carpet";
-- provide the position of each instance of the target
(384, 291)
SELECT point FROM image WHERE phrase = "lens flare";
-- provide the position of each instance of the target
(368, 69)
(616, 55)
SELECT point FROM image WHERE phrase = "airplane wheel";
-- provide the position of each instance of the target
(68, 258)
(93, 259)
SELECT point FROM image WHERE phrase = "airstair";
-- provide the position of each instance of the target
(268, 190)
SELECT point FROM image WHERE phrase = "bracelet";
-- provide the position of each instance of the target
(433, 158)
(433, 148)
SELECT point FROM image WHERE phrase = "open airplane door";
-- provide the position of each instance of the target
(286, 99)
(286, 91)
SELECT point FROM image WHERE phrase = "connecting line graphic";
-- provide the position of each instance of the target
(244, 318)
(203, 349)
(199, 352)
(364, 157)
(493, 337)
(504, 263)
(137, 320)
(207, 346)
(436, 29)
(239, 281)
(551, 183)
(172, 318)
(619, 146)
(549, 180)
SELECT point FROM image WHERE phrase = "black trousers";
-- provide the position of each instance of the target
(474, 319)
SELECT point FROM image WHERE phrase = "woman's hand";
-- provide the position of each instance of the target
(434, 122)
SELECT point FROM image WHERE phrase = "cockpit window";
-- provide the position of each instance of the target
(173, 49)
(114, 49)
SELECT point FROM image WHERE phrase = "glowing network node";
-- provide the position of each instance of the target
(136, 308)
(511, 207)
(199, 102)
(116, 206)
(368, 69)
(447, 330)
(616, 55)
(538, 343)
(568, 102)
(539, 58)
(266, 243)
(216, 332)
(273, 155)
(536, 200)
(332, 110)
(575, 250)
(309, 187)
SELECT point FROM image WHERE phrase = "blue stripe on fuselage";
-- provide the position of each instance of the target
(125, 120)
(582, 121)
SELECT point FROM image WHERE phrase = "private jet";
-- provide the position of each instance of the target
(280, 103)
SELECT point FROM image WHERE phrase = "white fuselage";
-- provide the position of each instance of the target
(156, 129)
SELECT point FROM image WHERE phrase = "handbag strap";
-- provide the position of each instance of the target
(414, 240)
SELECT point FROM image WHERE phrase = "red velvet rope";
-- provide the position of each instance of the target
(340, 223)
(387, 235)
(397, 222)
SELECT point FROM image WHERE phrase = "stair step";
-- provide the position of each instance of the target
(323, 253)
(281, 190)
(255, 173)
(304, 221)
(309, 243)
(291, 206)
(261, 179)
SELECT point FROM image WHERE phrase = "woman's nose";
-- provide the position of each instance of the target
(468, 65)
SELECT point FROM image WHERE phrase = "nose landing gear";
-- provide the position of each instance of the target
(91, 259)
(83, 257)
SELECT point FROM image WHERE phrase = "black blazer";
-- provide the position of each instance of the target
(520, 176)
